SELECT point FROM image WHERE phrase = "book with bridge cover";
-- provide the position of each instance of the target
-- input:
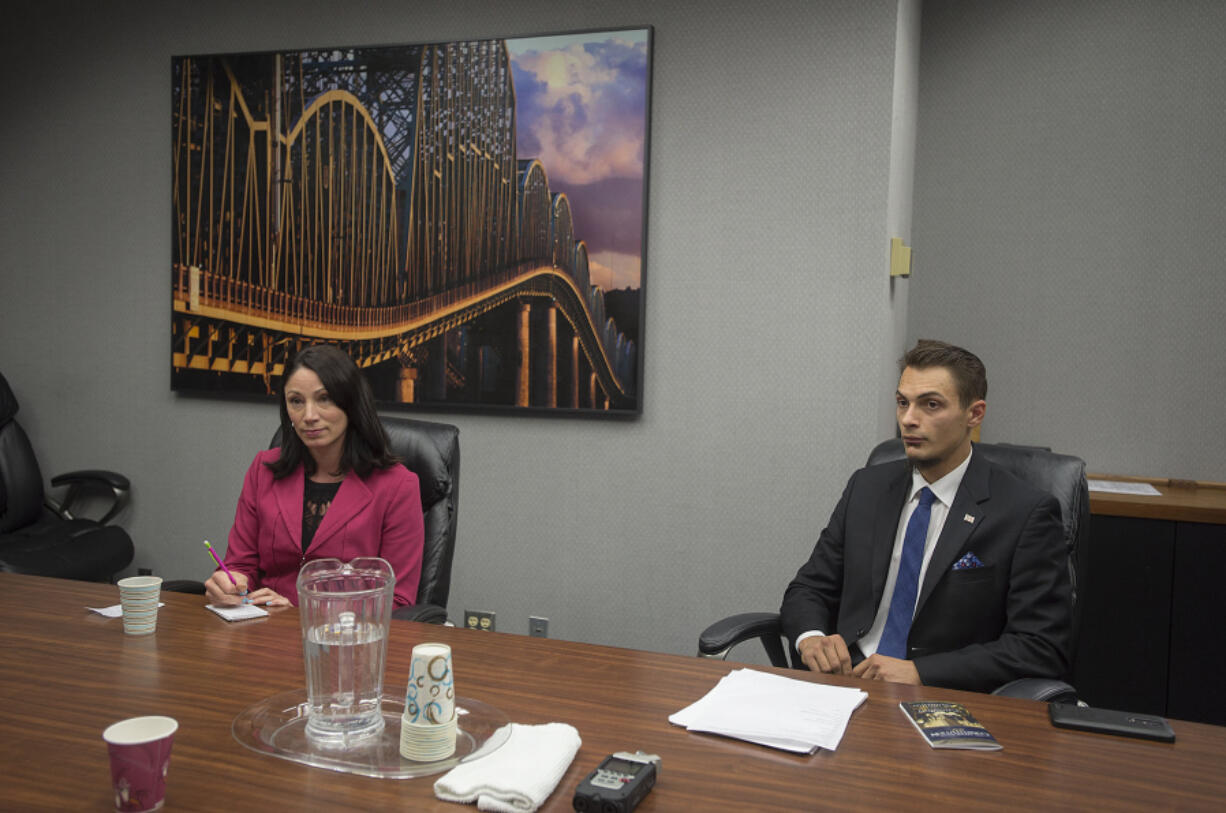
(948, 725)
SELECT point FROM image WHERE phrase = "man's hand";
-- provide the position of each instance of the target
(883, 667)
(826, 653)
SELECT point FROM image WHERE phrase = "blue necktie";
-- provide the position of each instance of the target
(906, 586)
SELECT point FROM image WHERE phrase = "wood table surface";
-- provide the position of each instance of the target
(67, 673)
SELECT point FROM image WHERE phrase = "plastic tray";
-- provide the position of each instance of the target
(277, 726)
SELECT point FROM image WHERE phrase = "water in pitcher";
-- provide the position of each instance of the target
(344, 670)
(346, 612)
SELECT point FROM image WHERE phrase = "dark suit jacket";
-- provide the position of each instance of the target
(974, 629)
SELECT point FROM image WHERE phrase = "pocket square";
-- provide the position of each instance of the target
(968, 562)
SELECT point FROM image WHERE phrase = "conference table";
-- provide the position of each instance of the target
(67, 673)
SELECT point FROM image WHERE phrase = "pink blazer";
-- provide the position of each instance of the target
(376, 516)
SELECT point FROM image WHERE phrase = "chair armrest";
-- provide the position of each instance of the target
(92, 479)
(110, 478)
(184, 586)
(425, 613)
(1046, 690)
(717, 639)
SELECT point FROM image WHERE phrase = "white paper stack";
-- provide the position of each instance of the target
(768, 709)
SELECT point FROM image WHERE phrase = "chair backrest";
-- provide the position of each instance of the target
(1063, 476)
(430, 450)
(21, 481)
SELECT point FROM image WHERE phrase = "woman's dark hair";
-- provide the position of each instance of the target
(366, 444)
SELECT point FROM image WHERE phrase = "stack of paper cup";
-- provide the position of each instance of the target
(428, 728)
(139, 596)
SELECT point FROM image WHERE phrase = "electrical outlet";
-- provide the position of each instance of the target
(538, 626)
(479, 620)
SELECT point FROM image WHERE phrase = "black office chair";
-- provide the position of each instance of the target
(430, 450)
(42, 537)
(1064, 476)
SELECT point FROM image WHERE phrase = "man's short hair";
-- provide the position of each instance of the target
(969, 374)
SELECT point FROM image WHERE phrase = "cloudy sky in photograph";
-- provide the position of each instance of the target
(580, 110)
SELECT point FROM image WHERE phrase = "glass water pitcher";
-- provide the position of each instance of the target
(346, 612)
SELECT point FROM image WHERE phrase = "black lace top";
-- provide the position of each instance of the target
(315, 501)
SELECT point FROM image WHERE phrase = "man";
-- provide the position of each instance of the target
(984, 594)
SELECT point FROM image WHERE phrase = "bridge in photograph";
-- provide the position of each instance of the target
(375, 200)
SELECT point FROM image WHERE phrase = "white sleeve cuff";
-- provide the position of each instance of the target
(808, 634)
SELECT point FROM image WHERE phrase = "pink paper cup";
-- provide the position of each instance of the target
(140, 756)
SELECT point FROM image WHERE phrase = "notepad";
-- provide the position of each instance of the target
(240, 613)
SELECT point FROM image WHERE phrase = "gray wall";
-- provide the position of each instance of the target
(768, 309)
(1068, 208)
(1070, 202)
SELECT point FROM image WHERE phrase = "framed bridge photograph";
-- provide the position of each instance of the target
(467, 220)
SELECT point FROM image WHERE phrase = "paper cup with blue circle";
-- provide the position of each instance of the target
(428, 728)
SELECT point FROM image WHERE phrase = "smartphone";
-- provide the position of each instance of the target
(1107, 721)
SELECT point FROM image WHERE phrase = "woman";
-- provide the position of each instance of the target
(333, 489)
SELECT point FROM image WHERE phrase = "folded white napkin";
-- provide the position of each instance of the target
(517, 777)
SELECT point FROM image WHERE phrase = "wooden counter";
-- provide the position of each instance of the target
(1180, 500)
(1150, 606)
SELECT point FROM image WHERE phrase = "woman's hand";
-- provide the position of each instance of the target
(269, 598)
(223, 592)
